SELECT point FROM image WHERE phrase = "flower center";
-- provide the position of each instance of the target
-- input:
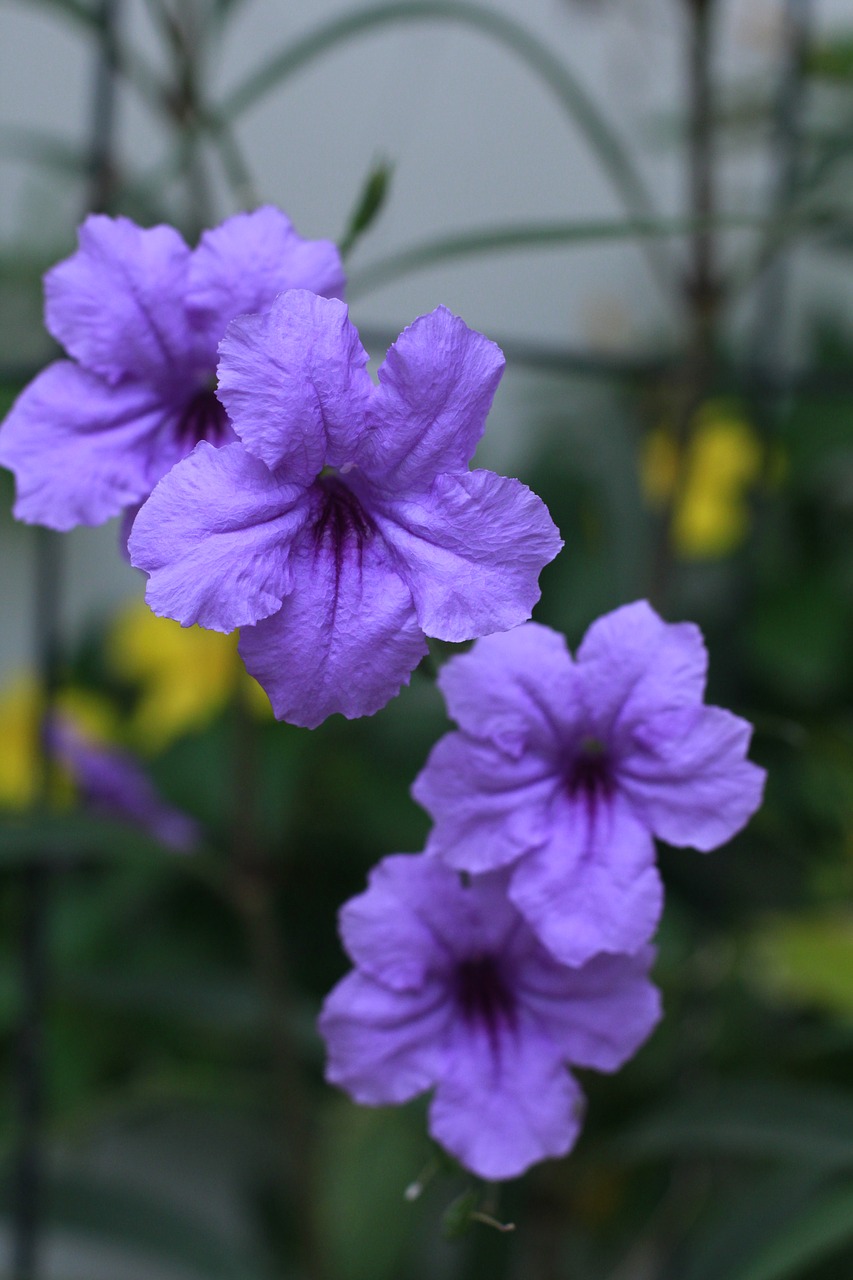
(483, 996)
(203, 418)
(342, 518)
(589, 775)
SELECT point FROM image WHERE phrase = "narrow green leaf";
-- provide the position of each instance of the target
(548, 235)
(581, 109)
(137, 1222)
(802, 1241)
(44, 149)
(77, 10)
(66, 838)
(760, 1119)
(369, 205)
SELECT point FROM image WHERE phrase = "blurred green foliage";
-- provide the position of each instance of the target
(725, 1150)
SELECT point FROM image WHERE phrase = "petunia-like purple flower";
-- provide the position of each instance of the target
(346, 525)
(141, 315)
(453, 992)
(565, 770)
(112, 784)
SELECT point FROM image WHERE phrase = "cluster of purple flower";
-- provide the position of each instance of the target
(335, 521)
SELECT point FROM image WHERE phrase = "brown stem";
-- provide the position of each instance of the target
(253, 882)
(702, 292)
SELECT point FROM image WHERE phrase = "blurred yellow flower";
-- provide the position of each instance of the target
(21, 707)
(722, 463)
(185, 675)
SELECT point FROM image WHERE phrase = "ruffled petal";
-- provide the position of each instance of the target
(503, 1103)
(416, 918)
(599, 1014)
(241, 265)
(517, 689)
(594, 886)
(488, 809)
(635, 667)
(347, 638)
(295, 385)
(698, 789)
(436, 387)
(83, 450)
(117, 304)
(384, 1046)
(471, 549)
(215, 539)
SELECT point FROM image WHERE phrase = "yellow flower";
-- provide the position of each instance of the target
(722, 463)
(185, 675)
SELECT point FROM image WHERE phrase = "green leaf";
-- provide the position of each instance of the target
(747, 1221)
(546, 235)
(803, 1240)
(63, 838)
(581, 109)
(806, 960)
(77, 10)
(369, 204)
(756, 1119)
(138, 1223)
(368, 1158)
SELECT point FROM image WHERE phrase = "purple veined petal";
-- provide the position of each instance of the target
(488, 810)
(295, 385)
(240, 266)
(634, 664)
(594, 886)
(517, 688)
(347, 638)
(394, 933)
(504, 1101)
(117, 304)
(436, 386)
(471, 549)
(214, 538)
(384, 1046)
(82, 450)
(597, 1015)
(699, 789)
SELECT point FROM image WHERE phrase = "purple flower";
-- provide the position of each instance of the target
(564, 771)
(346, 525)
(111, 783)
(452, 991)
(141, 315)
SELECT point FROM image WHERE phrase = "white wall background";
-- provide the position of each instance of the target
(475, 139)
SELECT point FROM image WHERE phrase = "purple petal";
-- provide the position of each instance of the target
(471, 550)
(437, 384)
(82, 450)
(502, 1105)
(295, 385)
(416, 915)
(637, 666)
(111, 783)
(240, 266)
(347, 638)
(117, 304)
(594, 887)
(518, 689)
(488, 809)
(215, 539)
(383, 1046)
(598, 1015)
(698, 789)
